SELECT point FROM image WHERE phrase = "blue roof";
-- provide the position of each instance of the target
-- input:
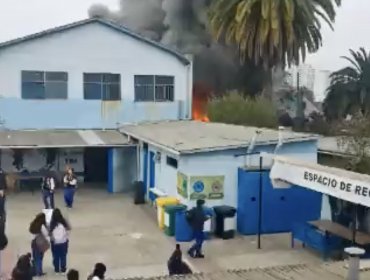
(102, 21)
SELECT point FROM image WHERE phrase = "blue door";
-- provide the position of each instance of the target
(145, 167)
(151, 174)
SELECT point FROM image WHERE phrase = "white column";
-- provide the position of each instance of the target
(354, 262)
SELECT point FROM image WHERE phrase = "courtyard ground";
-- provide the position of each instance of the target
(111, 229)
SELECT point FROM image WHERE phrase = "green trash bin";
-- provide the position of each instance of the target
(170, 216)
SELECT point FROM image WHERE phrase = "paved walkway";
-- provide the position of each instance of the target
(111, 229)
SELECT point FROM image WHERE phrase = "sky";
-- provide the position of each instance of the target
(21, 17)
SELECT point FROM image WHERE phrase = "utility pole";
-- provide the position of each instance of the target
(299, 105)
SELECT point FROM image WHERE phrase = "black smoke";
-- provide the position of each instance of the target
(183, 25)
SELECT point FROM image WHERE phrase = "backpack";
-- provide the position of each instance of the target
(189, 215)
(59, 233)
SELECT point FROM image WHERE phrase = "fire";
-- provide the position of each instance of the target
(201, 93)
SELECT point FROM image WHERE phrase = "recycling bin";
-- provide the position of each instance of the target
(225, 221)
(139, 192)
(170, 218)
(183, 231)
(161, 202)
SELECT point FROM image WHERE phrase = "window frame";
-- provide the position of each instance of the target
(103, 82)
(44, 82)
(155, 87)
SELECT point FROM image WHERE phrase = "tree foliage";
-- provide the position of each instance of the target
(349, 90)
(272, 32)
(234, 108)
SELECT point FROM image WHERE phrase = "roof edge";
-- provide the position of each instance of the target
(216, 149)
(108, 23)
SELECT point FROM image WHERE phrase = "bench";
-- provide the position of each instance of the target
(326, 236)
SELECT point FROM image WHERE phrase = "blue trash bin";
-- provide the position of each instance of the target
(183, 231)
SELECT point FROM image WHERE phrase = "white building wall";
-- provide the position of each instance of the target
(219, 164)
(89, 48)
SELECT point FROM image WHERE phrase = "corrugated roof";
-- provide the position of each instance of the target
(61, 138)
(111, 24)
(193, 136)
(335, 271)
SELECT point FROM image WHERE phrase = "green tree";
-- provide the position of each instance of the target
(349, 90)
(234, 108)
(272, 32)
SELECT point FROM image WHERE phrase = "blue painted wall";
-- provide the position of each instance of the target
(281, 208)
(83, 114)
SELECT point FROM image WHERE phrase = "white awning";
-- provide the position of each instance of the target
(343, 184)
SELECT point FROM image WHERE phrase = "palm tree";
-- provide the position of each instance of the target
(272, 32)
(350, 86)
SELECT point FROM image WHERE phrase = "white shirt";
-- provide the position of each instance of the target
(73, 182)
(59, 234)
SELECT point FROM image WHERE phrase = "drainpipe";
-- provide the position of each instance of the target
(188, 106)
(354, 254)
(252, 144)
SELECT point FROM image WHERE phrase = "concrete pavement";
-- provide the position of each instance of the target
(111, 229)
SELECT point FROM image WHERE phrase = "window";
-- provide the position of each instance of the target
(44, 85)
(102, 86)
(154, 88)
(172, 162)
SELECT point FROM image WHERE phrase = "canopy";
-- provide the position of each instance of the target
(343, 184)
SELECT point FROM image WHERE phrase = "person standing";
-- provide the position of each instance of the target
(196, 218)
(40, 242)
(70, 184)
(59, 236)
(47, 188)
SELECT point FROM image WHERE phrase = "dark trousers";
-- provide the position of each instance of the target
(199, 239)
(69, 194)
(37, 261)
(48, 198)
(59, 252)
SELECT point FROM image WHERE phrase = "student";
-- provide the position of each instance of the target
(47, 188)
(196, 218)
(23, 269)
(98, 273)
(175, 264)
(59, 241)
(70, 184)
(73, 275)
(40, 243)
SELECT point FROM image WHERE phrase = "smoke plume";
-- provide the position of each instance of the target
(182, 25)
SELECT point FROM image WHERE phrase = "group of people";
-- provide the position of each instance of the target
(48, 189)
(54, 236)
(24, 270)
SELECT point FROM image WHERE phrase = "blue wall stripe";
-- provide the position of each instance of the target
(110, 170)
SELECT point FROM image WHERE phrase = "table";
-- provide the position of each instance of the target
(34, 179)
(361, 238)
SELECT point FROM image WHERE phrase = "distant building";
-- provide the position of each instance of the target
(313, 79)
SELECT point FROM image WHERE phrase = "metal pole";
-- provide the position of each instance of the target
(260, 205)
(354, 225)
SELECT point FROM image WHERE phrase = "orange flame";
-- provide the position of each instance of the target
(201, 93)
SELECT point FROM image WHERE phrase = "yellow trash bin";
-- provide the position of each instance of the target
(161, 202)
